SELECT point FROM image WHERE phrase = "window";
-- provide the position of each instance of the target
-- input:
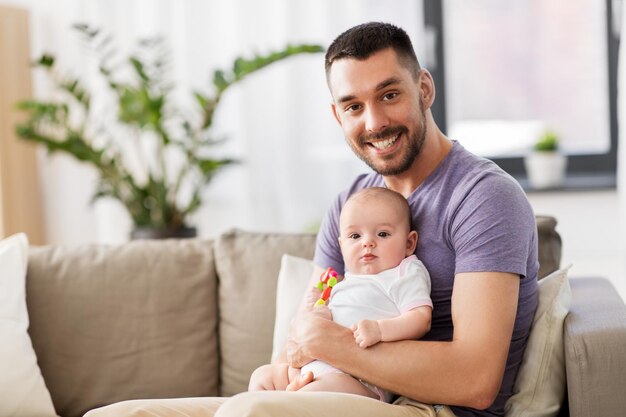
(511, 70)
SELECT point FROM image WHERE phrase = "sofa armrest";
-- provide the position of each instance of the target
(595, 346)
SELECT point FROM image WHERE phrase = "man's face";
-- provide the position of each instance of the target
(378, 105)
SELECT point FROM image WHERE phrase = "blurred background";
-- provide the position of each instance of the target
(506, 72)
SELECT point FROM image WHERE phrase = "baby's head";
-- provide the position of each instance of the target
(375, 231)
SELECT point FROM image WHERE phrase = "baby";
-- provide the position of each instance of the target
(384, 296)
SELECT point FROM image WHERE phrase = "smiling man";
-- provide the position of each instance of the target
(478, 241)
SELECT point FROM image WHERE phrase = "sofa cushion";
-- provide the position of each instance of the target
(295, 273)
(22, 389)
(247, 266)
(111, 323)
(540, 384)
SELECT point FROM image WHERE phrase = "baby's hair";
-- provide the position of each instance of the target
(385, 193)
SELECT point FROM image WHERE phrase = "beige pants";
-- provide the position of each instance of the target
(271, 404)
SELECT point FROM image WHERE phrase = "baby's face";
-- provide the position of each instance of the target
(373, 237)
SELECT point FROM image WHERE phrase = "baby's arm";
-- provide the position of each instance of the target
(410, 325)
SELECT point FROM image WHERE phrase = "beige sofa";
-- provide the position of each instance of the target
(152, 319)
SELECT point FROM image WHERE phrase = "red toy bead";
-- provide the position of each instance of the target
(326, 293)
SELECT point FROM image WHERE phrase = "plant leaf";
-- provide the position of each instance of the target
(46, 61)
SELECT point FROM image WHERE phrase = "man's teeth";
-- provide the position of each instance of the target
(384, 144)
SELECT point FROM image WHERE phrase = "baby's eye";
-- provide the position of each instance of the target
(383, 234)
(354, 236)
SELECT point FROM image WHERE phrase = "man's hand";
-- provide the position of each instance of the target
(312, 296)
(366, 333)
(306, 334)
(323, 312)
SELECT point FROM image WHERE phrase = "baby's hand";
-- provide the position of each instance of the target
(366, 333)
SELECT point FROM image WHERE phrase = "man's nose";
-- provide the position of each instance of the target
(375, 119)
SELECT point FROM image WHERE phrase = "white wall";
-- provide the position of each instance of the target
(589, 223)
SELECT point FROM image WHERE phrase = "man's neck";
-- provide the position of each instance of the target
(435, 149)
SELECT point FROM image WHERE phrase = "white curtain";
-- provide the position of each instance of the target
(278, 122)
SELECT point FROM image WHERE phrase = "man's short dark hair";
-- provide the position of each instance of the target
(362, 41)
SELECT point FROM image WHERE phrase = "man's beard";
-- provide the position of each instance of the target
(412, 150)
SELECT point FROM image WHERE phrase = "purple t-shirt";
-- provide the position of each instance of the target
(470, 216)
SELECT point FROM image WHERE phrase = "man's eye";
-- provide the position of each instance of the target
(390, 96)
(354, 236)
(353, 107)
(383, 234)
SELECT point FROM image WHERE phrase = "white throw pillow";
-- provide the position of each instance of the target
(293, 278)
(22, 388)
(540, 384)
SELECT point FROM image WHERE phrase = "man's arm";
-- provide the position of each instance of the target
(412, 324)
(466, 371)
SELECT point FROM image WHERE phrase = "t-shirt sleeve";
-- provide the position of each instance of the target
(412, 287)
(327, 249)
(493, 228)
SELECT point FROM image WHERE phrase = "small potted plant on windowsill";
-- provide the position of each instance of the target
(545, 165)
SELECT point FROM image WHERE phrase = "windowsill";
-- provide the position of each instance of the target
(575, 182)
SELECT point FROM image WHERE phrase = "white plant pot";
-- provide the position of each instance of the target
(545, 169)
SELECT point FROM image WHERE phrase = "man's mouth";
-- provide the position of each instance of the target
(384, 144)
(385, 139)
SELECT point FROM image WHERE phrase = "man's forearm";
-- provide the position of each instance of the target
(432, 372)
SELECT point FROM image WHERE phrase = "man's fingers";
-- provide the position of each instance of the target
(300, 381)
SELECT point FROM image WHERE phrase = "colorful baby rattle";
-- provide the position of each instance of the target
(328, 280)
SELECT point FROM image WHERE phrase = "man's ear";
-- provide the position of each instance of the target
(334, 110)
(427, 88)
(411, 243)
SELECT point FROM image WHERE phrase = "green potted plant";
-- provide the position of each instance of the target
(175, 147)
(545, 164)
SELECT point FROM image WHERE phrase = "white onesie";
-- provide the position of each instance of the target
(384, 295)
